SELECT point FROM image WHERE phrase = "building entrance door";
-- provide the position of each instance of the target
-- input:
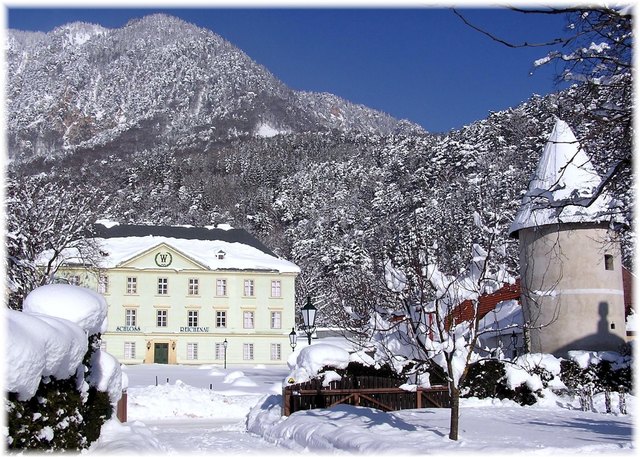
(161, 353)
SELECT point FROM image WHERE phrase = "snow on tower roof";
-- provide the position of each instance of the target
(562, 186)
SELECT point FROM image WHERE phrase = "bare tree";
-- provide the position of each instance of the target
(595, 52)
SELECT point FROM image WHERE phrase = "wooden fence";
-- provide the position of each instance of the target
(369, 391)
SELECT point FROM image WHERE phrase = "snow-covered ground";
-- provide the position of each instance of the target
(237, 411)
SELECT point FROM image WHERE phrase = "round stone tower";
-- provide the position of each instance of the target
(570, 259)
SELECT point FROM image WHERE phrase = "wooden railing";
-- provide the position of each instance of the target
(369, 391)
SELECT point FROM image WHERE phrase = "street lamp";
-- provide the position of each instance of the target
(514, 343)
(293, 339)
(309, 318)
(225, 343)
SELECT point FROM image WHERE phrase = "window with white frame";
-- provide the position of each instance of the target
(192, 318)
(103, 284)
(161, 318)
(192, 351)
(219, 351)
(247, 351)
(221, 319)
(132, 285)
(276, 319)
(276, 351)
(276, 288)
(248, 319)
(74, 280)
(130, 317)
(248, 287)
(129, 350)
(163, 286)
(221, 287)
(194, 286)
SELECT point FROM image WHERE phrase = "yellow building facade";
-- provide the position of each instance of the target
(176, 294)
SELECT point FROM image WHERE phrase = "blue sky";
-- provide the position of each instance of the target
(420, 64)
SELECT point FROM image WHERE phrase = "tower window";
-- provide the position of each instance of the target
(608, 262)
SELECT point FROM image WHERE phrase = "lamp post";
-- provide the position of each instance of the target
(309, 317)
(224, 345)
(514, 343)
(293, 339)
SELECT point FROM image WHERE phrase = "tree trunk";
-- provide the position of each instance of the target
(455, 413)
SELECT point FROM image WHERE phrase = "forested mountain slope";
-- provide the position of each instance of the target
(156, 81)
(339, 196)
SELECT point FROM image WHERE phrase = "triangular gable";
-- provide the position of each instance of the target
(161, 256)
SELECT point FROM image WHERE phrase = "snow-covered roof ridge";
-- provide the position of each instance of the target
(201, 245)
(563, 186)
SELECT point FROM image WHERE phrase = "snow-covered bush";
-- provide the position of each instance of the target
(60, 386)
(600, 371)
(526, 379)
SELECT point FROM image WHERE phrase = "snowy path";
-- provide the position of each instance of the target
(211, 436)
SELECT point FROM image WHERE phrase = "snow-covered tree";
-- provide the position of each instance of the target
(45, 215)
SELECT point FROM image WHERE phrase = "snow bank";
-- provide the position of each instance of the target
(80, 305)
(353, 429)
(182, 401)
(117, 438)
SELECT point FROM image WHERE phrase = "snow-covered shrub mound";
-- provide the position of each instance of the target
(312, 359)
(40, 346)
(532, 377)
(83, 306)
(55, 401)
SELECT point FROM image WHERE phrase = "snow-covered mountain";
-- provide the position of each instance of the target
(157, 80)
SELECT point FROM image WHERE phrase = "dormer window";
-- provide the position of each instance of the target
(221, 254)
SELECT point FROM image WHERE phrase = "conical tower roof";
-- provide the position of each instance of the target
(562, 185)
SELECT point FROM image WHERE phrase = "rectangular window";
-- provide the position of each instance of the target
(194, 284)
(130, 317)
(247, 351)
(221, 287)
(129, 350)
(74, 280)
(247, 319)
(103, 284)
(221, 319)
(276, 288)
(608, 262)
(161, 318)
(163, 286)
(132, 285)
(192, 318)
(192, 351)
(220, 351)
(248, 287)
(276, 351)
(276, 319)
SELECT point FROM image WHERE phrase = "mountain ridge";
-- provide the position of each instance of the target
(156, 80)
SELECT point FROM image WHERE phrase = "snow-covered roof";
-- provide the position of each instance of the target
(121, 244)
(563, 184)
